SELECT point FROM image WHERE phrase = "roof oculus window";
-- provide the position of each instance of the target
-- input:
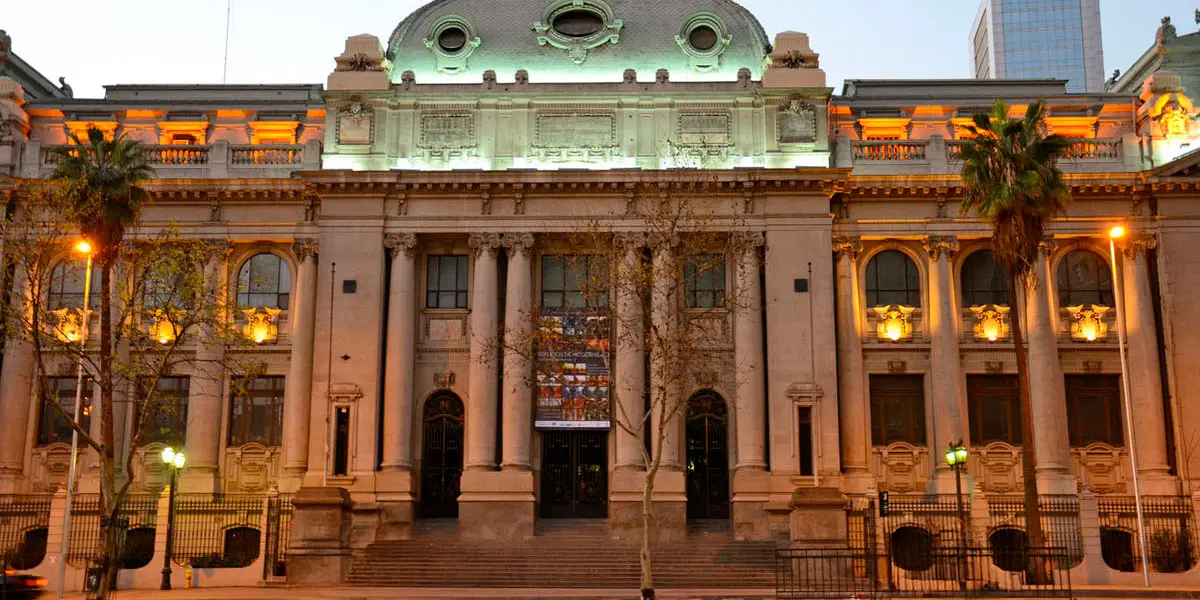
(578, 23)
(578, 26)
(704, 38)
(452, 40)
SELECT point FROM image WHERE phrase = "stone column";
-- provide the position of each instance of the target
(401, 351)
(481, 387)
(748, 356)
(1145, 384)
(945, 372)
(852, 397)
(16, 386)
(631, 349)
(298, 396)
(203, 443)
(664, 375)
(518, 370)
(1047, 396)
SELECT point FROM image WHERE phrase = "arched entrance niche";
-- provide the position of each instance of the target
(707, 456)
(441, 455)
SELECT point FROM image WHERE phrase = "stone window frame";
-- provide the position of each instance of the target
(578, 47)
(59, 277)
(466, 263)
(919, 427)
(250, 254)
(275, 433)
(50, 389)
(456, 62)
(701, 60)
(976, 409)
(721, 284)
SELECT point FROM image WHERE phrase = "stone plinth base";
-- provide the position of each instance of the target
(496, 505)
(1055, 482)
(320, 545)
(751, 492)
(669, 512)
(943, 482)
(199, 481)
(396, 506)
(818, 517)
(1157, 484)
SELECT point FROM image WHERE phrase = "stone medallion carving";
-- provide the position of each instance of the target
(797, 121)
(356, 124)
(578, 26)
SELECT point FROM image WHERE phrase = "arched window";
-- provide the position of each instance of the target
(892, 278)
(264, 282)
(1084, 278)
(983, 281)
(912, 548)
(66, 286)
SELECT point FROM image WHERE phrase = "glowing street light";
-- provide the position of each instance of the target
(174, 460)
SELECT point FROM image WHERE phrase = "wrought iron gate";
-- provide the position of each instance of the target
(441, 456)
(707, 458)
(575, 474)
(279, 535)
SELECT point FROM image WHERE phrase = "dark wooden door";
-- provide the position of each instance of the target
(441, 456)
(707, 458)
(574, 474)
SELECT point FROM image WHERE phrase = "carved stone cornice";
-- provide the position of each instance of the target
(305, 248)
(397, 243)
(518, 243)
(1137, 243)
(484, 242)
(847, 245)
(939, 246)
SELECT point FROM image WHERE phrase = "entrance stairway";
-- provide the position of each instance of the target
(563, 554)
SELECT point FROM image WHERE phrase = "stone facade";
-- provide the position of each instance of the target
(362, 189)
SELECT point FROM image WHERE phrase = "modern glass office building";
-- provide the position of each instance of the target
(1053, 39)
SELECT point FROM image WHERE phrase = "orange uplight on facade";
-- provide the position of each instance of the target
(1116, 232)
(84, 247)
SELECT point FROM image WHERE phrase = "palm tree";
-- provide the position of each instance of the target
(1010, 177)
(103, 182)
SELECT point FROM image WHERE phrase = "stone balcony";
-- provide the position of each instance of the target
(219, 160)
(938, 155)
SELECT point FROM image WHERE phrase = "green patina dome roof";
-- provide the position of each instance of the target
(578, 41)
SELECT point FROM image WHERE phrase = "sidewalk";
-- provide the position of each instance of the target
(367, 593)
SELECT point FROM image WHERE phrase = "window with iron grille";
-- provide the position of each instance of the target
(892, 278)
(167, 421)
(1094, 410)
(897, 409)
(574, 281)
(704, 281)
(994, 408)
(447, 281)
(256, 411)
(53, 428)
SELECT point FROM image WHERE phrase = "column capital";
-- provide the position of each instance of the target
(518, 243)
(664, 241)
(749, 240)
(1047, 245)
(481, 243)
(1136, 243)
(847, 245)
(398, 243)
(221, 248)
(629, 240)
(305, 248)
(939, 246)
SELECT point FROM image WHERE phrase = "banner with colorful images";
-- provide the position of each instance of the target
(573, 375)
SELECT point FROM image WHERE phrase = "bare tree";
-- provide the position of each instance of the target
(170, 318)
(649, 282)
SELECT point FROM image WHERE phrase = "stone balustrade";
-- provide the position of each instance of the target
(266, 155)
(217, 160)
(890, 150)
(1094, 149)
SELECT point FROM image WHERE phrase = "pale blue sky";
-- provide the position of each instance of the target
(98, 42)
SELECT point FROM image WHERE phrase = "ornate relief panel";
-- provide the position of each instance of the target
(355, 124)
(251, 468)
(1101, 468)
(998, 468)
(446, 136)
(796, 121)
(901, 467)
(49, 467)
(575, 136)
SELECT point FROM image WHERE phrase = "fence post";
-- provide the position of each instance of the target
(54, 540)
(1093, 569)
(265, 527)
(981, 519)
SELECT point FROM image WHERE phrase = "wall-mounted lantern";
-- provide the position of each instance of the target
(68, 325)
(163, 329)
(991, 322)
(1088, 323)
(260, 325)
(894, 322)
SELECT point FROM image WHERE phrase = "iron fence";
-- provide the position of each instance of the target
(217, 531)
(1060, 523)
(137, 512)
(919, 521)
(279, 534)
(802, 573)
(1171, 538)
(24, 524)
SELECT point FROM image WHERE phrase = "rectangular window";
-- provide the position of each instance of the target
(574, 281)
(167, 422)
(704, 281)
(53, 428)
(897, 409)
(256, 411)
(1094, 410)
(804, 439)
(446, 280)
(994, 408)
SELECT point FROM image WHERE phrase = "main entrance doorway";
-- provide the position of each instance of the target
(707, 457)
(574, 474)
(441, 456)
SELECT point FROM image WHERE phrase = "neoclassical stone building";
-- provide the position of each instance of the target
(387, 223)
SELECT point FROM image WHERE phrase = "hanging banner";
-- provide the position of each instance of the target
(573, 374)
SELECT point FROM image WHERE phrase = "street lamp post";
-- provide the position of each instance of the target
(956, 457)
(1114, 234)
(174, 461)
(86, 248)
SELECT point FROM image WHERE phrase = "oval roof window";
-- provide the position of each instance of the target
(578, 23)
(703, 38)
(452, 39)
